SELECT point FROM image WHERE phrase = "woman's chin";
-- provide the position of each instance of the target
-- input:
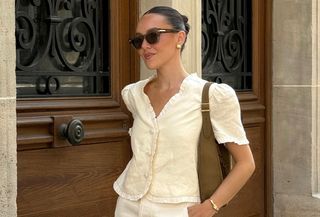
(151, 66)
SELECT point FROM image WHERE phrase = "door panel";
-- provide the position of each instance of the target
(243, 48)
(55, 177)
(250, 200)
(70, 179)
(38, 132)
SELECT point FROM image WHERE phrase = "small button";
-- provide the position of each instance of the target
(149, 153)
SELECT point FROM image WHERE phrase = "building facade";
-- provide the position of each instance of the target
(285, 117)
(8, 168)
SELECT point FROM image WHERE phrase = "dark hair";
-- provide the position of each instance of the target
(174, 18)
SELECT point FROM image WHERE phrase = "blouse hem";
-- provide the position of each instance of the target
(233, 140)
(183, 199)
(118, 190)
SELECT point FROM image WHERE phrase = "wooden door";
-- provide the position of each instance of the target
(73, 58)
(233, 49)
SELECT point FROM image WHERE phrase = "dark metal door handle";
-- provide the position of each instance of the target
(74, 131)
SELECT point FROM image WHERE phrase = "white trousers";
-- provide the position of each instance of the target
(147, 208)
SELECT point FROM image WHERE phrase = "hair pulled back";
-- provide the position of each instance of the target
(173, 17)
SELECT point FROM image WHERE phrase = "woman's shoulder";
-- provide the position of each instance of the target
(218, 91)
(136, 86)
(132, 94)
(221, 92)
(194, 82)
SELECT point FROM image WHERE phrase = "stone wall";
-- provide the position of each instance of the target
(8, 177)
(294, 89)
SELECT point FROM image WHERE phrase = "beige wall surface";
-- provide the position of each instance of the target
(8, 177)
(293, 108)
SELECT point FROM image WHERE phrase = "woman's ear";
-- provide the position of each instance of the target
(182, 37)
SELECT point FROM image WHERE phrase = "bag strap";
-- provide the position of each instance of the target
(207, 130)
(205, 109)
(205, 97)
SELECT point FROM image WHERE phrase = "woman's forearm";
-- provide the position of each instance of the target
(232, 184)
(238, 176)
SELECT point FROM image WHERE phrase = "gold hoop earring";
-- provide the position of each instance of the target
(179, 46)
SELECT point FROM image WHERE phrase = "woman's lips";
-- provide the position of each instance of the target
(148, 56)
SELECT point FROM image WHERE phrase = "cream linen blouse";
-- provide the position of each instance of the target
(163, 167)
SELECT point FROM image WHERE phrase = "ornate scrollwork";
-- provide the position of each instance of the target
(56, 36)
(88, 8)
(67, 4)
(25, 31)
(225, 26)
(76, 43)
(32, 44)
(233, 51)
(73, 36)
(35, 2)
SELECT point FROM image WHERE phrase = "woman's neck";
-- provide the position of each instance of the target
(170, 77)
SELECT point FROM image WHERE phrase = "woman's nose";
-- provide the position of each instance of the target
(145, 44)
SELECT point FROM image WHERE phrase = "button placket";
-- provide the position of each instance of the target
(154, 134)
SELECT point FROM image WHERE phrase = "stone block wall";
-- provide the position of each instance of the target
(8, 168)
(294, 85)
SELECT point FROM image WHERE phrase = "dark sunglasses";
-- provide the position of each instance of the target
(152, 37)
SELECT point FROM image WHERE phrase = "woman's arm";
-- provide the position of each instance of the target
(231, 185)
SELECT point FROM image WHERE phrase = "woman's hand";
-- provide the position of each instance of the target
(240, 173)
(201, 210)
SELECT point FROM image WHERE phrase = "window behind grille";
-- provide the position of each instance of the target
(226, 42)
(60, 51)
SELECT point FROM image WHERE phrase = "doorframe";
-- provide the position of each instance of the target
(268, 90)
(264, 64)
(125, 69)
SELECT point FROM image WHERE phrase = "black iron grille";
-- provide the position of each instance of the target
(226, 42)
(59, 48)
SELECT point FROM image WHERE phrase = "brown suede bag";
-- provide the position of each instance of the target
(214, 160)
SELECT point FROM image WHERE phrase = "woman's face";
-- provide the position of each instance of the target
(165, 50)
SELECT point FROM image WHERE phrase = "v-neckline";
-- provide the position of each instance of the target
(169, 102)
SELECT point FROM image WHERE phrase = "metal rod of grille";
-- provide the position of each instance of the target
(226, 42)
(58, 48)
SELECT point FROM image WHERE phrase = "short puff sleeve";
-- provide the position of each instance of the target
(225, 115)
(128, 98)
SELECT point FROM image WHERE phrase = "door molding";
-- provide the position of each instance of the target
(35, 116)
(268, 89)
(79, 175)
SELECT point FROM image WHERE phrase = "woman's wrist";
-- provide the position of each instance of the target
(208, 205)
(214, 206)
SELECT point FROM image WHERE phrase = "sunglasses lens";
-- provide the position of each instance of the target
(137, 42)
(152, 37)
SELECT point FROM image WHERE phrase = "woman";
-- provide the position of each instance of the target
(161, 178)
